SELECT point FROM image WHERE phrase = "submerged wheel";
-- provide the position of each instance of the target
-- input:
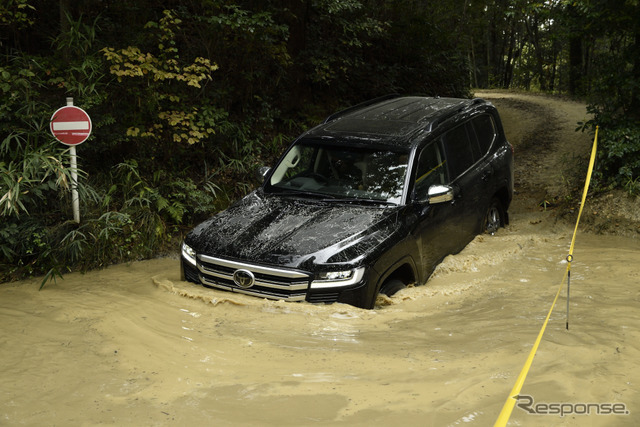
(494, 218)
(390, 287)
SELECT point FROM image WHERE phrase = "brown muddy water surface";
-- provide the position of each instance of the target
(133, 345)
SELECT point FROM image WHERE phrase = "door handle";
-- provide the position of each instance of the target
(487, 174)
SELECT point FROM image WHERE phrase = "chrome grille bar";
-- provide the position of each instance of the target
(292, 274)
(274, 283)
(291, 297)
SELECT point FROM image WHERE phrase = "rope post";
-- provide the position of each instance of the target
(569, 259)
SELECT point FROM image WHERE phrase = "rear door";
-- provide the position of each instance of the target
(482, 128)
(469, 178)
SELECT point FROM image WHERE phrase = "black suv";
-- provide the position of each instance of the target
(367, 202)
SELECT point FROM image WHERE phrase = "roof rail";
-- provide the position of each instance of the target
(447, 115)
(453, 112)
(359, 106)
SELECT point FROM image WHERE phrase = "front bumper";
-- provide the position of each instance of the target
(272, 283)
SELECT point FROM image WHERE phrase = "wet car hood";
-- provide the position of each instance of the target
(294, 232)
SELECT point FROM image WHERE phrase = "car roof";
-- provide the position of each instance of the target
(391, 120)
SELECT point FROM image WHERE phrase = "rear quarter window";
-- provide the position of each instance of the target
(462, 150)
(485, 130)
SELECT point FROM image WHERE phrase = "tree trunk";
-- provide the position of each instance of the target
(297, 22)
(65, 28)
(575, 56)
(634, 108)
(508, 65)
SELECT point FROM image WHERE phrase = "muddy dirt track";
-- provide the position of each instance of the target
(132, 345)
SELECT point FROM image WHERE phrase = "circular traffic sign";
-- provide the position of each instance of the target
(70, 125)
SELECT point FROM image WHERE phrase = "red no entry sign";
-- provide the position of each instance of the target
(70, 125)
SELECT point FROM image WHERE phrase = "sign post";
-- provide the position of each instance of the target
(71, 126)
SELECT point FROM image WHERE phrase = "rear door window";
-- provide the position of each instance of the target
(462, 151)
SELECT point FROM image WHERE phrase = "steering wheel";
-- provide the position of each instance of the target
(318, 177)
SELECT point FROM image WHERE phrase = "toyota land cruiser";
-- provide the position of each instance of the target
(367, 202)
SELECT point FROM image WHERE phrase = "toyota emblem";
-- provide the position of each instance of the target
(244, 278)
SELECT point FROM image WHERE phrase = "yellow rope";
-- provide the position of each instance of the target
(505, 414)
(429, 173)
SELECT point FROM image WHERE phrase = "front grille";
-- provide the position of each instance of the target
(273, 283)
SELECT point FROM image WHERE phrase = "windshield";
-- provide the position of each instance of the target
(338, 172)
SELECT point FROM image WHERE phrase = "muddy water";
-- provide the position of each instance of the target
(132, 345)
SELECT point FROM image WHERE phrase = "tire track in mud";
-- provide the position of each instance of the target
(534, 145)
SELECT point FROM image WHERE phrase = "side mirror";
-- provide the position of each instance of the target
(440, 194)
(261, 173)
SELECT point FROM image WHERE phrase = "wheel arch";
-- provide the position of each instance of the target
(504, 197)
(404, 273)
(403, 270)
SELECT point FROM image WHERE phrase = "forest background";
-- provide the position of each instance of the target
(188, 98)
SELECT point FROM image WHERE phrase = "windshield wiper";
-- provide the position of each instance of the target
(366, 201)
(327, 197)
(295, 192)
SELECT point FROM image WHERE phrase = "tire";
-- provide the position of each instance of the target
(390, 287)
(494, 217)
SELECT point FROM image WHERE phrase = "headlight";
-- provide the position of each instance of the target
(188, 253)
(334, 279)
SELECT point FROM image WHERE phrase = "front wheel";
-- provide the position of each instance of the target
(494, 218)
(390, 287)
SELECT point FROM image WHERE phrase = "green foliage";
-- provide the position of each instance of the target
(341, 33)
(424, 51)
(16, 13)
(27, 182)
(618, 163)
(80, 71)
(158, 77)
(32, 172)
(171, 198)
(614, 95)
